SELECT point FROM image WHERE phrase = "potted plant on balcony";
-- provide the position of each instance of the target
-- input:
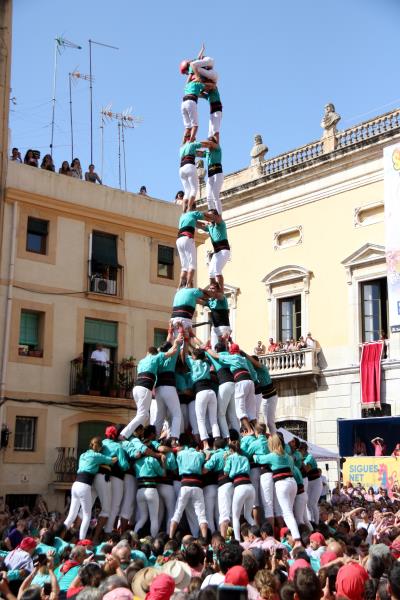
(122, 383)
(23, 350)
(127, 362)
(36, 353)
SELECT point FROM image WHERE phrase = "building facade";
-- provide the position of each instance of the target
(308, 256)
(82, 265)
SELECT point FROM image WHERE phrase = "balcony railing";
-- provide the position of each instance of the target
(114, 380)
(296, 362)
(65, 465)
(105, 279)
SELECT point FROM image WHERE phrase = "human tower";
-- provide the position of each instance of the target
(204, 452)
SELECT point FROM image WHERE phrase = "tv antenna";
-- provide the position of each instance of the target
(73, 77)
(125, 120)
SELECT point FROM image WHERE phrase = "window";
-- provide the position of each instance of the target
(165, 262)
(103, 269)
(25, 434)
(289, 318)
(30, 331)
(36, 236)
(104, 250)
(297, 428)
(160, 335)
(374, 309)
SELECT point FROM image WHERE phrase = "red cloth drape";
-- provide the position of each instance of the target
(370, 375)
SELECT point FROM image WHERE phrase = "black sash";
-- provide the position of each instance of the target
(190, 97)
(268, 391)
(166, 378)
(186, 231)
(241, 480)
(221, 245)
(183, 312)
(215, 106)
(202, 384)
(192, 480)
(241, 375)
(146, 380)
(85, 477)
(188, 159)
(214, 169)
(279, 474)
(224, 375)
(220, 316)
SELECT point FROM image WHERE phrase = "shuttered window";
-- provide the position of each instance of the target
(101, 332)
(165, 264)
(104, 250)
(29, 328)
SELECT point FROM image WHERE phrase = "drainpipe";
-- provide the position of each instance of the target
(7, 327)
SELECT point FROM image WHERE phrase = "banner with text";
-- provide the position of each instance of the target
(375, 471)
(391, 156)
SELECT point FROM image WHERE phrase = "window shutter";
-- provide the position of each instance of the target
(29, 329)
(37, 226)
(101, 332)
(165, 255)
(104, 249)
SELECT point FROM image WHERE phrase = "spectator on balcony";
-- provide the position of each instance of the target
(383, 338)
(16, 155)
(92, 176)
(30, 159)
(99, 358)
(272, 346)
(259, 350)
(47, 163)
(65, 169)
(301, 344)
(310, 342)
(179, 197)
(143, 191)
(379, 446)
(359, 448)
(76, 169)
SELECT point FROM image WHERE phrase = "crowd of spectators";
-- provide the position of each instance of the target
(32, 158)
(290, 345)
(353, 555)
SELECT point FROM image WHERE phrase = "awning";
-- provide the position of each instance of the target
(318, 452)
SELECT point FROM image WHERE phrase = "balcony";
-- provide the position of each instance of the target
(105, 280)
(115, 380)
(65, 465)
(292, 363)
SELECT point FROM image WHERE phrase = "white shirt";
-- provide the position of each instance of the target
(19, 559)
(370, 527)
(325, 486)
(213, 579)
(100, 356)
(310, 343)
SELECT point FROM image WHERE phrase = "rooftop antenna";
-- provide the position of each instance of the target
(60, 45)
(73, 77)
(91, 90)
(125, 120)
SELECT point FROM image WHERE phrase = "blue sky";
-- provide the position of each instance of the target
(279, 63)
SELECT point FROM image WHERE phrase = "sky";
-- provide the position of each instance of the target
(279, 63)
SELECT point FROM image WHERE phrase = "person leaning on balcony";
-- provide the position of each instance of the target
(146, 378)
(310, 342)
(259, 350)
(301, 344)
(99, 358)
(379, 446)
(92, 176)
(272, 346)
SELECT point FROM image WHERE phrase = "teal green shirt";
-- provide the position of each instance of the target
(276, 461)
(217, 231)
(264, 378)
(200, 369)
(216, 363)
(218, 303)
(310, 460)
(194, 87)
(169, 363)
(114, 448)
(213, 95)
(237, 361)
(134, 447)
(170, 462)
(216, 462)
(65, 579)
(189, 149)
(184, 381)
(187, 297)
(214, 156)
(150, 363)
(147, 466)
(236, 464)
(189, 219)
(190, 461)
(250, 445)
(90, 461)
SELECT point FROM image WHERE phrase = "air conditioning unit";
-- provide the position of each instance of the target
(104, 286)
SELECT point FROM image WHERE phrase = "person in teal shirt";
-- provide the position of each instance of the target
(111, 447)
(265, 391)
(221, 249)
(215, 177)
(190, 464)
(148, 470)
(146, 378)
(237, 466)
(183, 309)
(214, 125)
(194, 87)
(186, 228)
(166, 395)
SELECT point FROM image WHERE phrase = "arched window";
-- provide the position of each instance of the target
(297, 428)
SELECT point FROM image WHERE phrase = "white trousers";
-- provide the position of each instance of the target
(193, 418)
(225, 496)
(81, 497)
(102, 489)
(245, 400)
(243, 499)
(167, 495)
(117, 492)
(193, 496)
(314, 493)
(267, 494)
(214, 124)
(206, 403)
(213, 191)
(268, 407)
(226, 402)
(190, 114)
(142, 397)
(147, 501)
(299, 508)
(187, 253)
(190, 180)
(286, 490)
(126, 511)
(210, 493)
(218, 262)
(178, 324)
(205, 68)
(168, 400)
(255, 474)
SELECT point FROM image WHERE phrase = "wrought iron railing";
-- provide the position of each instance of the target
(66, 464)
(113, 380)
(105, 279)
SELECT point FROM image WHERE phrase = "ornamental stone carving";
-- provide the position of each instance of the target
(258, 153)
(328, 124)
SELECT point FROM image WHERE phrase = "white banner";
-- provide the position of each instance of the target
(391, 156)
